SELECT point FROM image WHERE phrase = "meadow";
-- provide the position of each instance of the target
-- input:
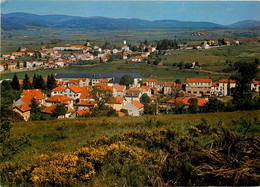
(136, 151)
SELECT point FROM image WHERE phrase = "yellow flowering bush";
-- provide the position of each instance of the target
(61, 169)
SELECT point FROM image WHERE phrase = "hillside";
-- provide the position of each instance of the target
(25, 20)
(134, 151)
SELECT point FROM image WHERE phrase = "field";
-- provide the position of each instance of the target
(135, 151)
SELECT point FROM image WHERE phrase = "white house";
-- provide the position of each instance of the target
(134, 108)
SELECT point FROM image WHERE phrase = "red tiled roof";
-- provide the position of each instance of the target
(103, 80)
(59, 99)
(75, 89)
(81, 112)
(153, 98)
(59, 88)
(49, 109)
(137, 104)
(119, 88)
(117, 100)
(198, 80)
(214, 84)
(121, 114)
(227, 81)
(86, 103)
(76, 45)
(184, 101)
(256, 82)
(23, 107)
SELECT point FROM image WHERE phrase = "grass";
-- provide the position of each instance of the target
(72, 134)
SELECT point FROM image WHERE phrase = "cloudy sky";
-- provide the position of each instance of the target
(222, 12)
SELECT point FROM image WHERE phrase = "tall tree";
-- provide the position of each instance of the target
(49, 83)
(40, 83)
(126, 80)
(15, 83)
(26, 83)
(34, 80)
(145, 99)
(242, 94)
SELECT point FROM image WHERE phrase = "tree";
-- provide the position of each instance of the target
(181, 65)
(60, 110)
(145, 99)
(126, 80)
(242, 94)
(26, 83)
(40, 83)
(34, 81)
(178, 81)
(102, 96)
(35, 112)
(15, 83)
(193, 108)
(214, 105)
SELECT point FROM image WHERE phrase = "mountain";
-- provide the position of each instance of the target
(252, 24)
(20, 20)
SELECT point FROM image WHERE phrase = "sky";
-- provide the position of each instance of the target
(221, 12)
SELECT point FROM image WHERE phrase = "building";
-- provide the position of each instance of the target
(134, 108)
(132, 95)
(119, 90)
(23, 110)
(198, 86)
(225, 87)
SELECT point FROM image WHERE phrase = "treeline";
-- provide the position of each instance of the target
(166, 44)
(199, 154)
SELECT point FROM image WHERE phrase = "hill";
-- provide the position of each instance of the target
(25, 20)
(190, 149)
(252, 24)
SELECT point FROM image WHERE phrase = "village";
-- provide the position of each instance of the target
(82, 93)
(55, 58)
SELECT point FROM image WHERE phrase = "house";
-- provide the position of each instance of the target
(151, 82)
(77, 47)
(151, 49)
(125, 48)
(119, 90)
(124, 56)
(59, 99)
(145, 89)
(214, 88)
(227, 43)
(205, 46)
(72, 92)
(235, 42)
(104, 58)
(83, 112)
(23, 49)
(23, 110)
(100, 54)
(198, 86)
(18, 54)
(137, 59)
(115, 51)
(58, 90)
(134, 108)
(255, 85)
(132, 95)
(59, 62)
(70, 112)
(11, 65)
(145, 54)
(117, 103)
(225, 87)
(168, 88)
(159, 85)
(83, 104)
(2, 67)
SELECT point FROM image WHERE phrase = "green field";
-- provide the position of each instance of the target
(132, 151)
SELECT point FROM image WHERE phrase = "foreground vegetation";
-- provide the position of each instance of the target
(194, 149)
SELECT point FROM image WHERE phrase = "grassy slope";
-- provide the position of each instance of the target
(46, 136)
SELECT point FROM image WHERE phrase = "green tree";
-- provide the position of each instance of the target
(40, 83)
(26, 83)
(193, 107)
(15, 83)
(242, 94)
(34, 80)
(145, 99)
(126, 80)
(60, 110)
(214, 105)
(178, 81)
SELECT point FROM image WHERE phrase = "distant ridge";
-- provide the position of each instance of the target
(22, 21)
